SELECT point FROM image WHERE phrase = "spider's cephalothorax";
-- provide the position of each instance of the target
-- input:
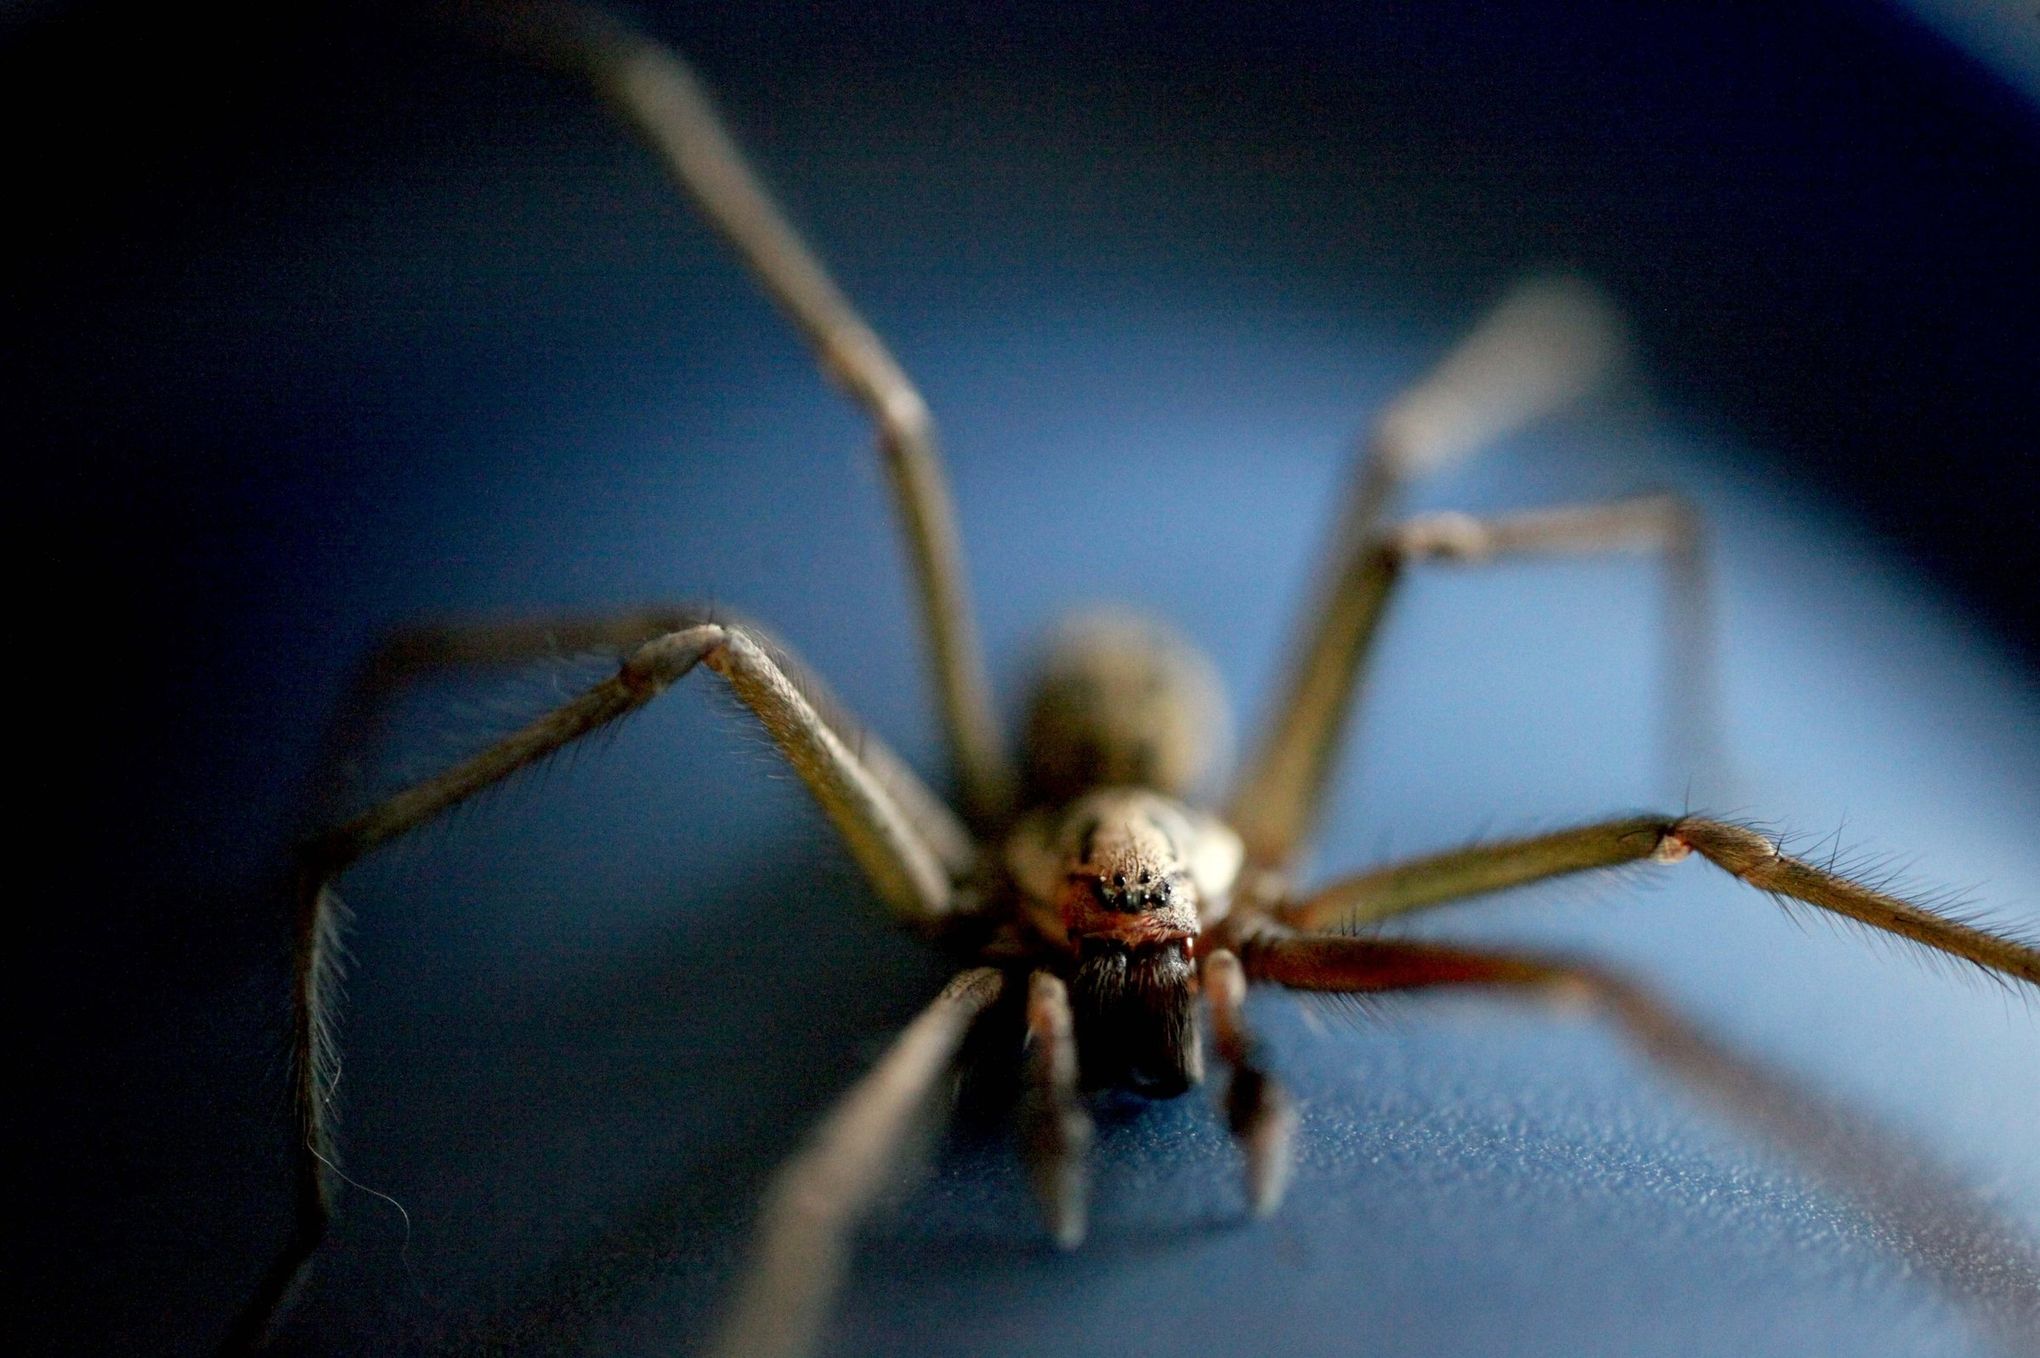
(1115, 874)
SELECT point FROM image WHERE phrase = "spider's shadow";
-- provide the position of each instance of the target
(615, 1113)
(808, 1022)
(737, 1043)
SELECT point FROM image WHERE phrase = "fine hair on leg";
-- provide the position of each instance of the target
(1739, 850)
(417, 652)
(905, 871)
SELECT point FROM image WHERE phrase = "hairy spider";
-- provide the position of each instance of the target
(1088, 886)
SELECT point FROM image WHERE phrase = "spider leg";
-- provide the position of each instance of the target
(905, 871)
(1938, 1221)
(816, 1199)
(1743, 852)
(1276, 804)
(660, 96)
(1055, 1131)
(1258, 1109)
(417, 652)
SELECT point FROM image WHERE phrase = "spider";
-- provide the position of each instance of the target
(1089, 887)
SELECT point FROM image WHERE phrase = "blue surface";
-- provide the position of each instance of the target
(589, 1015)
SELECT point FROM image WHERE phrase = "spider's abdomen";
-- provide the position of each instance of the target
(1121, 701)
(1115, 872)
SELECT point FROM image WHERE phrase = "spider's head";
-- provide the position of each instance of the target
(1120, 881)
(1126, 875)
(1128, 903)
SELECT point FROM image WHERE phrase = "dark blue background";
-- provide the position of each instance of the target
(375, 326)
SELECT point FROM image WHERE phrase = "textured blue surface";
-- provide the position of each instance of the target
(589, 1015)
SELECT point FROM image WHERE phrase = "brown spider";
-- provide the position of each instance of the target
(1087, 886)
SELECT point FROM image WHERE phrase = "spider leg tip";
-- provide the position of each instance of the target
(1063, 1210)
(1267, 1185)
(1270, 1149)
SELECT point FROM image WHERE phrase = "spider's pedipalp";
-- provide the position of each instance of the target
(1259, 1111)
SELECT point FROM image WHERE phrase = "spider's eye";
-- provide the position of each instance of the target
(1148, 895)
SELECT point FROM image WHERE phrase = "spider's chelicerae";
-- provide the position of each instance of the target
(1086, 889)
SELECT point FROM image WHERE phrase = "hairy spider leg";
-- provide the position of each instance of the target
(908, 874)
(1257, 1108)
(1434, 880)
(1973, 1253)
(1278, 801)
(802, 1239)
(661, 97)
(414, 653)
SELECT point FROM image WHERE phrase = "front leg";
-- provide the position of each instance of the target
(909, 875)
(1401, 888)
(413, 654)
(802, 1240)
(659, 95)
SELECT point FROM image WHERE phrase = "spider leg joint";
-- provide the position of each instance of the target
(903, 412)
(1735, 848)
(1671, 847)
(1448, 535)
(665, 659)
